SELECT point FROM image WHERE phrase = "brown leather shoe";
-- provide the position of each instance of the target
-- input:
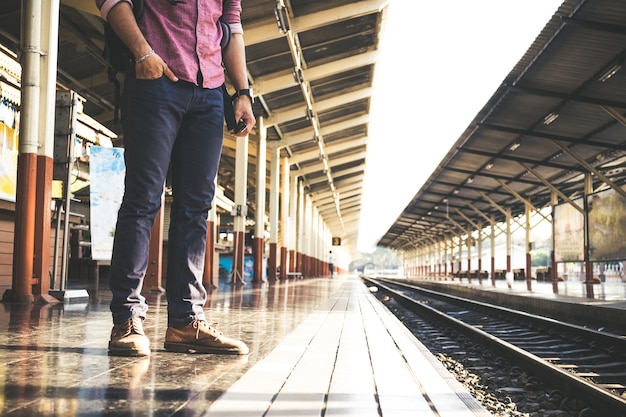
(199, 337)
(128, 339)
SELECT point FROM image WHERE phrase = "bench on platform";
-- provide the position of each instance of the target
(294, 275)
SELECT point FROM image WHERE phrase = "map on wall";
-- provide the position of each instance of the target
(106, 171)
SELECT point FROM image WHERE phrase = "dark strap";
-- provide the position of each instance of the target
(226, 34)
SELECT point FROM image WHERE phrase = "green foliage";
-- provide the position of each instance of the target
(541, 259)
(380, 259)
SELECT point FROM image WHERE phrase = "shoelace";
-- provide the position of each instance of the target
(131, 327)
(196, 325)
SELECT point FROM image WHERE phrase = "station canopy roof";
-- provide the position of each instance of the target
(311, 65)
(556, 117)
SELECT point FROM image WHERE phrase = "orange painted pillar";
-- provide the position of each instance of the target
(43, 219)
(24, 242)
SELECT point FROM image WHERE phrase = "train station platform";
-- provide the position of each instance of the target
(601, 302)
(318, 347)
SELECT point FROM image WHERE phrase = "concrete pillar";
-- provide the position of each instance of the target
(259, 228)
(210, 277)
(241, 208)
(293, 222)
(284, 219)
(274, 212)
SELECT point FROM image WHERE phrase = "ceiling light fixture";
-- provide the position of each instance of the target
(515, 145)
(610, 72)
(489, 165)
(550, 118)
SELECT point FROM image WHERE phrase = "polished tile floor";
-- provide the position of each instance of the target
(54, 360)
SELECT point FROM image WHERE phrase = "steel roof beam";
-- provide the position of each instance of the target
(492, 176)
(551, 187)
(272, 83)
(304, 135)
(590, 24)
(267, 30)
(335, 161)
(591, 169)
(517, 159)
(333, 148)
(552, 136)
(565, 97)
(283, 115)
(521, 198)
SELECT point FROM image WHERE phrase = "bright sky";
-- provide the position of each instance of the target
(440, 63)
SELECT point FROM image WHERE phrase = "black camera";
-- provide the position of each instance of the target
(241, 126)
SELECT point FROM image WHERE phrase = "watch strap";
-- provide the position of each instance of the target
(244, 92)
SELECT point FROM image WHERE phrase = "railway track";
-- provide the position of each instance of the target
(584, 363)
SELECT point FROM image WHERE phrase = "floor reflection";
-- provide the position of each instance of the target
(54, 356)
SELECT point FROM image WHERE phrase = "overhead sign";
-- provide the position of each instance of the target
(336, 241)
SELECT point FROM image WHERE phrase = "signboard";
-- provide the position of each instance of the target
(569, 238)
(106, 172)
(607, 226)
(336, 241)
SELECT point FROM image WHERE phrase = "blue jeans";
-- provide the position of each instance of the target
(177, 126)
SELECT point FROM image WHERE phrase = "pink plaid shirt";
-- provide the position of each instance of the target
(187, 34)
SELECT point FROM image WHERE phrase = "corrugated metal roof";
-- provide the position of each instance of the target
(555, 117)
(337, 41)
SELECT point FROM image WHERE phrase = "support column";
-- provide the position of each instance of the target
(452, 258)
(26, 193)
(528, 249)
(480, 253)
(469, 257)
(303, 227)
(210, 277)
(508, 249)
(259, 227)
(445, 260)
(492, 245)
(588, 264)
(45, 159)
(460, 257)
(272, 262)
(293, 222)
(553, 264)
(284, 219)
(240, 210)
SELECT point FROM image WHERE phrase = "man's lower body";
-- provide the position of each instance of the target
(175, 126)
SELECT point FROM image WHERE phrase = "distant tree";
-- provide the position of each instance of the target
(540, 259)
(381, 258)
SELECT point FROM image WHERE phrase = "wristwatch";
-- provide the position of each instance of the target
(244, 92)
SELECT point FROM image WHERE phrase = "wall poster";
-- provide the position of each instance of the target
(8, 151)
(569, 232)
(607, 226)
(106, 172)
